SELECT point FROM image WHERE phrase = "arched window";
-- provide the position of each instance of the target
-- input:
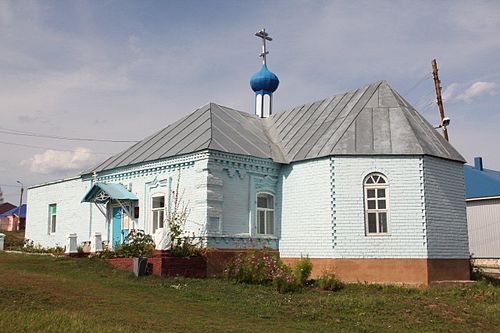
(265, 214)
(376, 189)
(158, 211)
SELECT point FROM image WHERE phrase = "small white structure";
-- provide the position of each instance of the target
(162, 238)
(71, 244)
(2, 240)
(96, 243)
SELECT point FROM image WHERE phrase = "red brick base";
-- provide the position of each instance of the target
(194, 267)
(422, 272)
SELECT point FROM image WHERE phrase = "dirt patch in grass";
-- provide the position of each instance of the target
(46, 294)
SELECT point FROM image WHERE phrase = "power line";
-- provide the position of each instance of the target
(39, 135)
(426, 77)
(40, 147)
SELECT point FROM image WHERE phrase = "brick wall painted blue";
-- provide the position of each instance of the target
(306, 222)
(445, 209)
(235, 203)
(406, 225)
(236, 181)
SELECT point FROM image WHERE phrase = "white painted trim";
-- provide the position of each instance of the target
(257, 208)
(483, 198)
(387, 210)
(152, 210)
(50, 219)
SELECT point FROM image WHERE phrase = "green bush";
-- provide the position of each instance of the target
(185, 249)
(30, 247)
(137, 244)
(328, 281)
(302, 271)
(261, 267)
(14, 240)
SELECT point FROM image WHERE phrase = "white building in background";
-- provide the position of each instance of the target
(483, 210)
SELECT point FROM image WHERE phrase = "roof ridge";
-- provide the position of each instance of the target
(211, 125)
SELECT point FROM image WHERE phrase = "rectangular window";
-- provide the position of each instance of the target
(158, 212)
(265, 214)
(52, 218)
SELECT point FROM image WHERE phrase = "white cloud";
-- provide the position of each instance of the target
(455, 92)
(477, 89)
(450, 91)
(52, 161)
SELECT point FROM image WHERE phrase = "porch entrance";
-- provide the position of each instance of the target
(116, 203)
(120, 225)
(117, 226)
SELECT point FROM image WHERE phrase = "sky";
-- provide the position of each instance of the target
(121, 70)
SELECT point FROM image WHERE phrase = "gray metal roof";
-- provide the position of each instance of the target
(373, 120)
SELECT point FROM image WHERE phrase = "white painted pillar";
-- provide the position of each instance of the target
(2, 239)
(71, 244)
(96, 243)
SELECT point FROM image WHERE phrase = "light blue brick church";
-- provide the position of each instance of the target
(360, 182)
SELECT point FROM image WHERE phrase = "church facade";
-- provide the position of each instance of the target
(359, 182)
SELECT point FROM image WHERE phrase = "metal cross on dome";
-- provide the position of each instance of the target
(265, 36)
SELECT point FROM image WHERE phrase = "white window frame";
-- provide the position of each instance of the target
(377, 211)
(153, 210)
(52, 219)
(265, 210)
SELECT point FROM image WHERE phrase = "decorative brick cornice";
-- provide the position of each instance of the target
(151, 168)
(250, 164)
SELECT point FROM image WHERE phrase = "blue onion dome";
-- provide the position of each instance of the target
(264, 80)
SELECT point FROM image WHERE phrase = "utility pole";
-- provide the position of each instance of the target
(437, 85)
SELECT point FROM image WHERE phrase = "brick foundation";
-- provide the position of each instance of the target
(217, 259)
(194, 267)
(419, 272)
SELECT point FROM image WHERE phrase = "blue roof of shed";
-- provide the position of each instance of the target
(14, 211)
(481, 184)
(115, 191)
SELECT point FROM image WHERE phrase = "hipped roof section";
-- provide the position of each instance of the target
(373, 120)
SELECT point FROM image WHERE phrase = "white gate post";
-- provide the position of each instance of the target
(96, 243)
(71, 244)
(2, 239)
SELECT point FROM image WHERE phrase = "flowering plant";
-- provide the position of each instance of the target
(261, 267)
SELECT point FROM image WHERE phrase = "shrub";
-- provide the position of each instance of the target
(14, 240)
(30, 247)
(186, 249)
(328, 281)
(302, 271)
(261, 267)
(138, 244)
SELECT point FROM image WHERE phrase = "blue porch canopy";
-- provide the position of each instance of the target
(102, 192)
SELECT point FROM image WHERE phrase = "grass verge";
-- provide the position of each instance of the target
(47, 294)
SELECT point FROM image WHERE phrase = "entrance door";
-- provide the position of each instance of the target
(117, 225)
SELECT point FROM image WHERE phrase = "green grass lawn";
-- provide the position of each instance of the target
(47, 294)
